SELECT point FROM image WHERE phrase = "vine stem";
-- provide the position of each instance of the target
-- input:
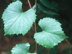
(29, 3)
(35, 29)
(35, 4)
(34, 23)
(36, 42)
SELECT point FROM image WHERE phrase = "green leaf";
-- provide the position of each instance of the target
(21, 48)
(45, 10)
(16, 21)
(47, 4)
(31, 53)
(52, 33)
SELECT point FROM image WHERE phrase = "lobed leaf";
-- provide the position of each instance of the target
(16, 21)
(21, 48)
(52, 33)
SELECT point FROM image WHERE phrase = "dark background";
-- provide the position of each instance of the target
(65, 17)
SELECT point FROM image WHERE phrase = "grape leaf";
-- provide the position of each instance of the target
(21, 48)
(47, 4)
(52, 33)
(45, 10)
(16, 21)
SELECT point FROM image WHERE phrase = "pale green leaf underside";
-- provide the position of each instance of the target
(22, 48)
(52, 33)
(16, 21)
(47, 4)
